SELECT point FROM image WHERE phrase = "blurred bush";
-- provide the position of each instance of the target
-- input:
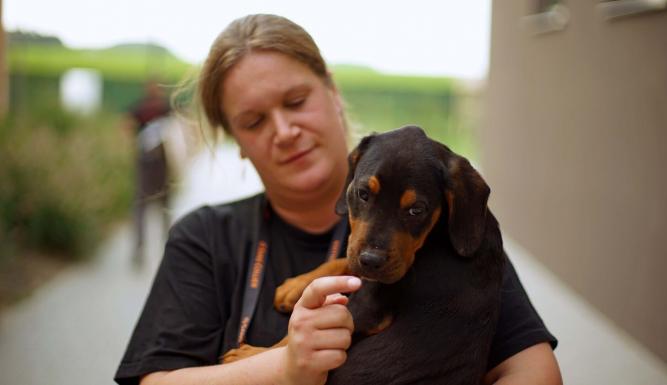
(64, 178)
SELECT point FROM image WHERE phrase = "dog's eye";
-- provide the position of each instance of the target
(416, 210)
(363, 194)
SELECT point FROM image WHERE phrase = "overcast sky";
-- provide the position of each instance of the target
(438, 37)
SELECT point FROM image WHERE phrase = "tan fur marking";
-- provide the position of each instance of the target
(357, 239)
(434, 220)
(374, 184)
(408, 245)
(354, 221)
(385, 323)
(408, 198)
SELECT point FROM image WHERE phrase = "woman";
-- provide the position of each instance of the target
(267, 85)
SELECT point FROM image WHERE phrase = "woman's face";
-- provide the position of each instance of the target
(287, 121)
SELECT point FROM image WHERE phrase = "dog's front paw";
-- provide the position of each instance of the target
(244, 351)
(289, 293)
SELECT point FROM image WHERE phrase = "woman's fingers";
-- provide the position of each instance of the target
(336, 299)
(317, 292)
(320, 328)
(334, 316)
(339, 338)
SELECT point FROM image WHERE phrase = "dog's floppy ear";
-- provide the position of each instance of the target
(466, 195)
(352, 161)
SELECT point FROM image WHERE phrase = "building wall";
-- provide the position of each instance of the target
(574, 147)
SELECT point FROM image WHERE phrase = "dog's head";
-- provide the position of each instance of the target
(399, 185)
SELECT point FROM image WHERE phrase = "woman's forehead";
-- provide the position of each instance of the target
(262, 75)
(264, 65)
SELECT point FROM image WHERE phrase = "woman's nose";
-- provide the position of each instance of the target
(285, 130)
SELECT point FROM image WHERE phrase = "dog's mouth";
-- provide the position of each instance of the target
(389, 272)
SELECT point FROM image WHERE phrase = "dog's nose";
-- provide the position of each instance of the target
(372, 259)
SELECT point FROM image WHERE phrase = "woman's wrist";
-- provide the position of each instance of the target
(284, 374)
(289, 373)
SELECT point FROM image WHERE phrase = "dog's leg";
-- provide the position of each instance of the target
(286, 297)
(245, 351)
(290, 291)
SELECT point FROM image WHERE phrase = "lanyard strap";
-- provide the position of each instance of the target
(257, 264)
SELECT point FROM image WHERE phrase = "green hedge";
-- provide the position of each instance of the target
(133, 64)
(64, 179)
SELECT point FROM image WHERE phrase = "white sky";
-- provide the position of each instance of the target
(438, 37)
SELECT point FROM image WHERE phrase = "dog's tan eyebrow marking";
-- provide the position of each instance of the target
(374, 184)
(408, 198)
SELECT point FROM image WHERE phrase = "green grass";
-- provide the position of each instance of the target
(137, 62)
(379, 102)
(122, 63)
(363, 78)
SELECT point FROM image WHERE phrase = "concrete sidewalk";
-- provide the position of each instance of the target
(74, 329)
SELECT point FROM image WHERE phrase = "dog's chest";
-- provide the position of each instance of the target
(443, 323)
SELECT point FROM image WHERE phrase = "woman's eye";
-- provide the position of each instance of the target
(416, 210)
(253, 124)
(295, 102)
(363, 195)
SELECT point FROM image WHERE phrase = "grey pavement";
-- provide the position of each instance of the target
(73, 330)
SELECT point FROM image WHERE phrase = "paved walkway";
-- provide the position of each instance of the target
(74, 329)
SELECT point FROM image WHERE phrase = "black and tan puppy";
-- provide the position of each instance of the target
(430, 254)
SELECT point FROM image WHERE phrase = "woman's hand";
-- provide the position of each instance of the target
(320, 330)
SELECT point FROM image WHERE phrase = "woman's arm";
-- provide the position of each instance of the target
(264, 368)
(320, 331)
(535, 365)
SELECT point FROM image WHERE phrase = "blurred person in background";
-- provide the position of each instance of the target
(146, 122)
(266, 84)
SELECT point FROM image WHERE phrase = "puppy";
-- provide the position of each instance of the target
(431, 257)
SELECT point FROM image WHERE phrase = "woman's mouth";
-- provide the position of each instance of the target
(296, 156)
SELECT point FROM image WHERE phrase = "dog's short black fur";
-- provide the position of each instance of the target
(431, 256)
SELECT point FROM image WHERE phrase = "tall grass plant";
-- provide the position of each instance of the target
(64, 179)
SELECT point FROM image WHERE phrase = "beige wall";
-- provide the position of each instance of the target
(574, 146)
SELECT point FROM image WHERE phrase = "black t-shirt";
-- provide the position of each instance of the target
(192, 314)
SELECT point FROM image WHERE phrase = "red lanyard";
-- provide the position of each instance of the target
(257, 264)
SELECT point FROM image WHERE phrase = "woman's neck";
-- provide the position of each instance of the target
(312, 216)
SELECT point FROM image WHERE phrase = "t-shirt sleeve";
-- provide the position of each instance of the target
(182, 322)
(519, 325)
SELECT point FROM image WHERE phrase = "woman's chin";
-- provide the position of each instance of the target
(316, 179)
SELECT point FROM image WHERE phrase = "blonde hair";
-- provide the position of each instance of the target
(242, 36)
